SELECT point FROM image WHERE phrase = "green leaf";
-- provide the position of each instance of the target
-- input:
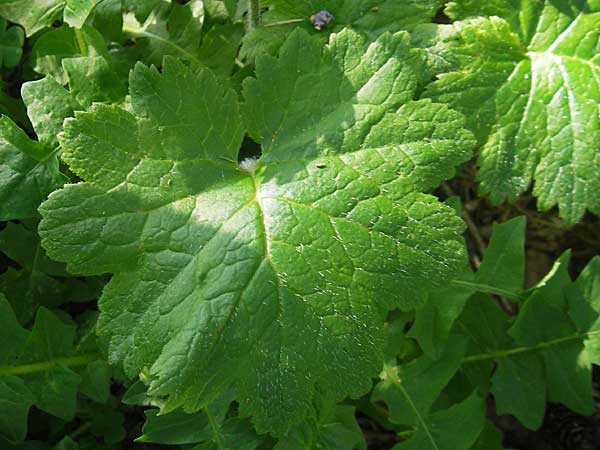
(220, 47)
(108, 425)
(13, 336)
(52, 47)
(547, 353)
(141, 8)
(209, 428)
(170, 29)
(439, 431)
(434, 321)
(15, 401)
(95, 381)
(409, 398)
(67, 444)
(11, 44)
(48, 104)
(544, 319)
(77, 11)
(108, 19)
(503, 265)
(334, 429)
(175, 428)
(487, 326)
(28, 173)
(584, 302)
(55, 389)
(368, 17)
(92, 79)
(525, 80)
(298, 254)
(33, 15)
(490, 438)
(21, 243)
(40, 361)
(34, 284)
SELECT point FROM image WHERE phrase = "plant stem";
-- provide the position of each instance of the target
(517, 350)
(484, 288)
(253, 15)
(79, 360)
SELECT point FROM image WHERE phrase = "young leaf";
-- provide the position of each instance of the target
(297, 254)
(527, 81)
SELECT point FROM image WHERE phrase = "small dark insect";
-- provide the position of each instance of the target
(321, 165)
(321, 19)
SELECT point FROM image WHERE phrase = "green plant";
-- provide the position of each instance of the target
(247, 190)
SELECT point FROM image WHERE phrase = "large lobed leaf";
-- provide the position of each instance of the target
(273, 276)
(528, 78)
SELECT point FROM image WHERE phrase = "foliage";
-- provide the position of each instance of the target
(222, 234)
(526, 76)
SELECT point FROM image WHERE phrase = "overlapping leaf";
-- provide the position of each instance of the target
(11, 44)
(369, 17)
(35, 15)
(528, 77)
(273, 275)
(33, 370)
